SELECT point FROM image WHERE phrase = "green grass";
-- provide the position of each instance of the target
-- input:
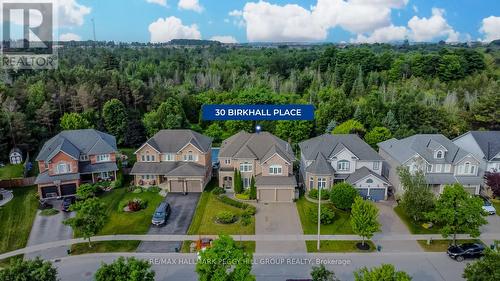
(334, 246)
(496, 205)
(442, 245)
(248, 246)
(340, 225)
(6, 262)
(204, 217)
(11, 171)
(129, 152)
(105, 247)
(412, 226)
(16, 219)
(49, 212)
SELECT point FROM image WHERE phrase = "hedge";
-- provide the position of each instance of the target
(241, 205)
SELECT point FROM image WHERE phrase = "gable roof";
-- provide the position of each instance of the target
(329, 145)
(260, 146)
(424, 145)
(361, 173)
(320, 166)
(488, 142)
(171, 141)
(76, 142)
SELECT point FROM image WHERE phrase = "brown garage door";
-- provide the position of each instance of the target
(176, 186)
(267, 195)
(193, 186)
(285, 195)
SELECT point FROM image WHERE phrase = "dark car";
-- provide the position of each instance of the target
(66, 203)
(466, 251)
(161, 214)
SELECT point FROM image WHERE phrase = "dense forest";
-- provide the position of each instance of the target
(378, 91)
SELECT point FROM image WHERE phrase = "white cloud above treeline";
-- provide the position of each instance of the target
(166, 29)
(490, 27)
(192, 5)
(224, 39)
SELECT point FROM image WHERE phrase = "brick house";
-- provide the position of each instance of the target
(72, 158)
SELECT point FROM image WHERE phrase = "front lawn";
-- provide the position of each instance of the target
(105, 247)
(442, 245)
(204, 217)
(496, 205)
(412, 226)
(248, 246)
(16, 219)
(340, 225)
(10, 171)
(337, 246)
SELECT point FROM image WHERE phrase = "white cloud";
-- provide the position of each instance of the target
(236, 13)
(164, 30)
(385, 34)
(159, 2)
(70, 37)
(224, 39)
(70, 13)
(193, 5)
(427, 29)
(490, 27)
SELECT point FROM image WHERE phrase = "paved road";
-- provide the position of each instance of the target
(183, 207)
(270, 267)
(493, 226)
(278, 219)
(392, 224)
(50, 229)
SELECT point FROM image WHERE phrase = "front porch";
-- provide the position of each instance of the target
(98, 177)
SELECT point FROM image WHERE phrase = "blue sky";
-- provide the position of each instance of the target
(282, 20)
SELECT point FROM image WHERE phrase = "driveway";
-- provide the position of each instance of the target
(277, 219)
(392, 224)
(50, 229)
(182, 211)
(493, 226)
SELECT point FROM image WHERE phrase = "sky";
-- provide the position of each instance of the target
(231, 21)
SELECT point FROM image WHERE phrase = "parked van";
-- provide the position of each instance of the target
(161, 214)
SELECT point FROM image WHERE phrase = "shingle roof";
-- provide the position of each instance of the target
(87, 168)
(361, 173)
(275, 181)
(76, 142)
(439, 178)
(171, 141)
(44, 178)
(488, 141)
(423, 145)
(320, 166)
(329, 145)
(258, 146)
(184, 169)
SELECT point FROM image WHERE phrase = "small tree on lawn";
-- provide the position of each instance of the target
(458, 212)
(485, 269)
(89, 219)
(130, 269)
(320, 273)
(492, 180)
(238, 184)
(86, 191)
(364, 218)
(417, 199)
(342, 195)
(224, 261)
(32, 270)
(253, 189)
(385, 272)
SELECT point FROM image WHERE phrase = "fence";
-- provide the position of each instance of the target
(13, 183)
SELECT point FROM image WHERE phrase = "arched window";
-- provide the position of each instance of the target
(369, 181)
(343, 165)
(439, 154)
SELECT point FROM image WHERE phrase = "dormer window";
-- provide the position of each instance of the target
(343, 165)
(63, 168)
(439, 154)
(190, 157)
(275, 170)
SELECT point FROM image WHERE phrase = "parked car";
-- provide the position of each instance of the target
(466, 251)
(488, 207)
(161, 214)
(66, 203)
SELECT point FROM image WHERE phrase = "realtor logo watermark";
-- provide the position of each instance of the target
(27, 34)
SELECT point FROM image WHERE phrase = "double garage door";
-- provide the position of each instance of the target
(275, 194)
(53, 191)
(376, 194)
(191, 186)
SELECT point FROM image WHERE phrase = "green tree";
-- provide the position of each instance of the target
(385, 272)
(238, 183)
(390, 121)
(296, 131)
(115, 117)
(320, 273)
(458, 212)
(486, 112)
(364, 218)
(29, 270)
(74, 121)
(86, 191)
(215, 131)
(169, 115)
(253, 189)
(376, 135)
(350, 126)
(342, 195)
(89, 219)
(130, 269)
(417, 199)
(485, 269)
(224, 260)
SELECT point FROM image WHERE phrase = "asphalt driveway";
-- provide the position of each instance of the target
(277, 219)
(50, 229)
(182, 211)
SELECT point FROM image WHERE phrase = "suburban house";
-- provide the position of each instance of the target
(485, 145)
(75, 157)
(174, 160)
(263, 156)
(15, 156)
(329, 159)
(441, 161)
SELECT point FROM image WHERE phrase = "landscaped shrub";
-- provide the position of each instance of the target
(218, 190)
(246, 218)
(137, 190)
(134, 205)
(253, 190)
(314, 193)
(327, 214)
(225, 217)
(86, 191)
(153, 189)
(238, 204)
(342, 195)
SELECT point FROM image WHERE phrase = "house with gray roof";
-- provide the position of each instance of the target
(174, 160)
(441, 161)
(74, 157)
(263, 156)
(329, 159)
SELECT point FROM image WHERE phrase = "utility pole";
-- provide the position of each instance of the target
(93, 29)
(319, 216)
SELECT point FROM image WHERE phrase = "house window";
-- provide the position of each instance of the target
(146, 177)
(311, 182)
(105, 175)
(467, 169)
(376, 165)
(245, 167)
(168, 157)
(439, 168)
(227, 161)
(143, 158)
(439, 154)
(246, 182)
(63, 168)
(190, 157)
(84, 157)
(102, 158)
(429, 168)
(447, 168)
(343, 165)
(369, 181)
(275, 170)
(321, 183)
